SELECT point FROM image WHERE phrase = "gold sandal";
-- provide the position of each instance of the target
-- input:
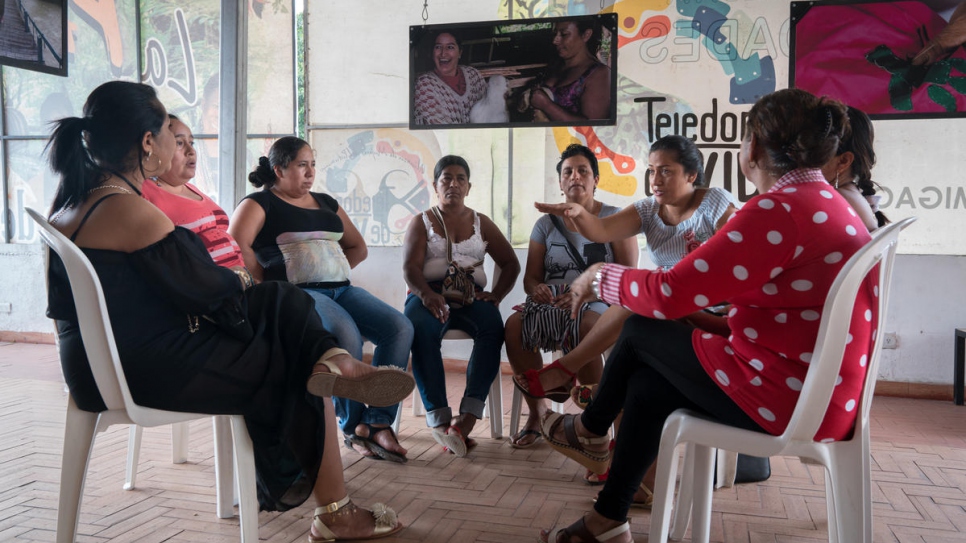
(382, 388)
(386, 521)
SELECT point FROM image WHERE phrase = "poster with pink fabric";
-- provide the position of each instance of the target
(892, 60)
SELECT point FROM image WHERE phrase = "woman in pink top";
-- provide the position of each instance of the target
(187, 206)
(774, 261)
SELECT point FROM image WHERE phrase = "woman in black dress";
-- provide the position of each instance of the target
(190, 335)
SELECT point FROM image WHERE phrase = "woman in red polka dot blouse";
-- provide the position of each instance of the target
(774, 261)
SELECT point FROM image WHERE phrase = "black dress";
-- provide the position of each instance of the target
(253, 360)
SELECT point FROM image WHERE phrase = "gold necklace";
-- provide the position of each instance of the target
(68, 207)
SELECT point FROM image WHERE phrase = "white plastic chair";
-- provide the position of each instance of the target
(847, 463)
(81, 426)
(221, 426)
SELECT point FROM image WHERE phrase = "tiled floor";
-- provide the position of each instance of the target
(496, 494)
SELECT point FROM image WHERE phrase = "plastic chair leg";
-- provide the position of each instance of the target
(516, 411)
(398, 421)
(179, 443)
(79, 430)
(727, 468)
(667, 462)
(703, 486)
(418, 409)
(133, 453)
(682, 509)
(224, 470)
(849, 495)
(495, 408)
(244, 459)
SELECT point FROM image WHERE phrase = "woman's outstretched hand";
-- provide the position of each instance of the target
(582, 290)
(568, 210)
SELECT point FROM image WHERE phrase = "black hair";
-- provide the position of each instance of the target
(687, 154)
(575, 149)
(592, 24)
(450, 160)
(459, 42)
(859, 143)
(797, 129)
(282, 153)
(84, 150)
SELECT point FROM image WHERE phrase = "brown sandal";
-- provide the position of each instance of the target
(580, 530)
(386, 521)
(595, 461)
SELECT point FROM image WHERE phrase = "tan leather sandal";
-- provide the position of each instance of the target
(382, 388)
(386, 521)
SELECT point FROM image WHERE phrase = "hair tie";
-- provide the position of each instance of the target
(828, 121)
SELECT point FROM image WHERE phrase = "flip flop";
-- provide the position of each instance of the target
(382, 388)
(573, 447)
(352, 441)
(453, 441)
(381, 452)
(515, 440)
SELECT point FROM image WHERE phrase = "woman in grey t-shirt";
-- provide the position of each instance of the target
(557, 255)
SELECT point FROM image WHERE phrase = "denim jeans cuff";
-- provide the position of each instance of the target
(439, 417)
(380, 417)
(472, 406)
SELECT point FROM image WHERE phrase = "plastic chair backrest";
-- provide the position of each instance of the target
(832, 336)
(92, 316)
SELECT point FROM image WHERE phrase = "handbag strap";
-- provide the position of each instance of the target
(558, 224)
(449, 243)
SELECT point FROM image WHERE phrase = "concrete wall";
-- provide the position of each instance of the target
(927, 304)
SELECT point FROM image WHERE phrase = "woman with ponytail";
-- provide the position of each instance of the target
(850, 170)
(189, 335)
(289, 233)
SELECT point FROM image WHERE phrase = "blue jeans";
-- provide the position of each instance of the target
(482, 321)
(352, 315)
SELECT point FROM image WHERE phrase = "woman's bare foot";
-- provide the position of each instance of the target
(359, 446)
(464, 422)
(531, 430)
(551, 378)
(386, 440)
(349, 522)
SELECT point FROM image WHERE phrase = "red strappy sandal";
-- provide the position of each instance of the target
(533, 388)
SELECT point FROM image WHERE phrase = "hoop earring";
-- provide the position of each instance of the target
(144, 165)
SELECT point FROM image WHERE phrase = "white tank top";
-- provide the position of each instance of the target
(465, 253)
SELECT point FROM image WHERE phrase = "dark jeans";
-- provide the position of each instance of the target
(482, 321)
(651, 372)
